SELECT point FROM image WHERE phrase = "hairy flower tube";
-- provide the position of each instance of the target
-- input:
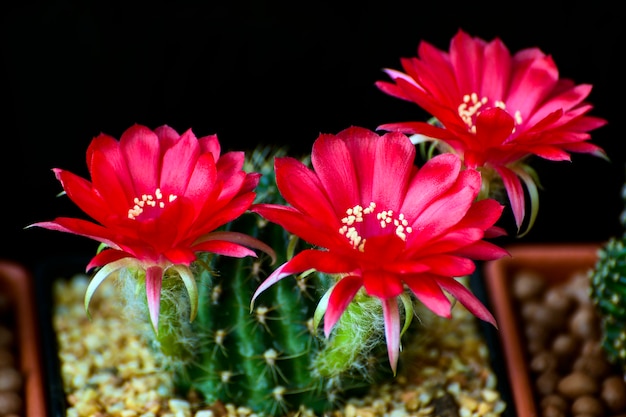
(158, 198)
(495, 110)
(382, 224)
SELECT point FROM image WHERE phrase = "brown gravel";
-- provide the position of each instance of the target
(109, 371)
(572, 376)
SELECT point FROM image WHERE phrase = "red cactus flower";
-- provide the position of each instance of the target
(495, 109)
(383, 224)
(157, 198)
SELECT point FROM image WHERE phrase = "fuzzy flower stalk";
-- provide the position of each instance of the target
(495, 110)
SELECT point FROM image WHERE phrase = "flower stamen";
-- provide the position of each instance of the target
(471, 106)
(385, 217)
(149, 200)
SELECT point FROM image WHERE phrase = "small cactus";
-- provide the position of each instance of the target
(608, 293)
(271, 359)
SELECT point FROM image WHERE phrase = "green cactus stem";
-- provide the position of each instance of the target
(273, 359)
(259, 359)
(608, 293)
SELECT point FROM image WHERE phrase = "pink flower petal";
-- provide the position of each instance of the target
(427, 290)
(340, 297)
(154, 278)
(469, 300)
(392, 331)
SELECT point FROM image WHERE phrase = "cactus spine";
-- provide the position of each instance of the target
(608, 293)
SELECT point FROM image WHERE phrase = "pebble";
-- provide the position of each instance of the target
(547, 382)
(551, 410)
(565, 347)
(577, 384)
(588, 404)
(555, 400)
(10, 403)
(10, 379)
(528, 284)
(597, 366)
(543, 361)
(556, 298)
(614, 393)
(584, 323)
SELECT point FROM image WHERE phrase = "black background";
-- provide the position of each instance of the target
(273, 72)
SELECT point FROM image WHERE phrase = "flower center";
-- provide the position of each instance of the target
(149, 200)
(384, 219)
(471, 106)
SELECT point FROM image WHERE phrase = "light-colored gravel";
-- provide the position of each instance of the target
(109, 371)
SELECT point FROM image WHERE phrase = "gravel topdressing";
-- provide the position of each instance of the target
(108, 369)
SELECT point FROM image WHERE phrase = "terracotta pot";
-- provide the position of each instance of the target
(556, 264)
(17, 284)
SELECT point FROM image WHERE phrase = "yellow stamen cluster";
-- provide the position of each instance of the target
(471, 107)
(149, 200)
(401, 224)
(384, 217)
